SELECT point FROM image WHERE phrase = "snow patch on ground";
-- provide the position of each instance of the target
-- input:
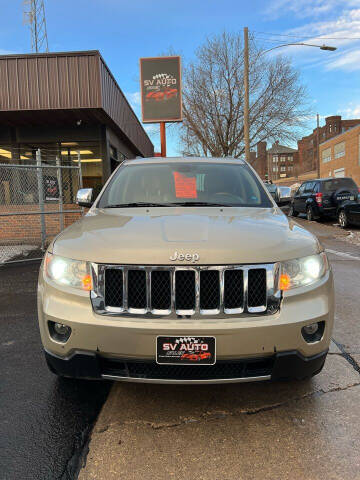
(350, 236)
(8, 252)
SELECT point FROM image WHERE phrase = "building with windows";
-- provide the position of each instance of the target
(340, 155)
(277, 162)
(308, 147)
(69, 106)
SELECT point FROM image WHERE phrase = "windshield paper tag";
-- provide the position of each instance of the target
(185, 187)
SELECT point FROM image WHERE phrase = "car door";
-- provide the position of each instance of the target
(308, 193)
(354, 213)
(299, 199)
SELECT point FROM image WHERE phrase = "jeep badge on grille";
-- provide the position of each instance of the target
(189, 257)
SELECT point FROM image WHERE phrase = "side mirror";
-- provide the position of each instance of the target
(84, 197)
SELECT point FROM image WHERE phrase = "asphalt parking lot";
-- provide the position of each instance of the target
(44, 421)
(298, 430)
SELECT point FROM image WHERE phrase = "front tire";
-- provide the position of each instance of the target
(343, 219)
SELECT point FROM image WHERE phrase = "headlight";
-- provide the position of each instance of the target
(303, 271)
(65, 271)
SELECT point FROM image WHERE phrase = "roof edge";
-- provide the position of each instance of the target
(339, 135)
(75, 53)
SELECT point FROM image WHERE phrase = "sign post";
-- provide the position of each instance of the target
(161, 100)
(163, 139)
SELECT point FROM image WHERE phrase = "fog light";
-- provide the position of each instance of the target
(61, 329)
(311, 329)
(59, 332)
(313, 332)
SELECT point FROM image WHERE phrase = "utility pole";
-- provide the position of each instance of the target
(318, 144)
(34, 16)
(163, 139)
(246, 95)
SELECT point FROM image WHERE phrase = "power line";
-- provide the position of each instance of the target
(306, 36)
(34, 16)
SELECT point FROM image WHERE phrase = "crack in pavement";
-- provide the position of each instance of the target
(220, 414)
(347, 356)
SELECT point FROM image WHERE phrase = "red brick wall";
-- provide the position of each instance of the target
(22, 229)
(261, 160)
(350, 161)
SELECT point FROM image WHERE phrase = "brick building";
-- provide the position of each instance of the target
(279, 161)
(340, 155)
(307, 146)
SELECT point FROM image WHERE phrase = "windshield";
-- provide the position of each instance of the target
(159, 184)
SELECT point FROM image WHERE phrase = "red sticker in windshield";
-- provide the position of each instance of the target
(185, 187)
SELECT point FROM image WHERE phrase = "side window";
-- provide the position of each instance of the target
(301, 189)
(309, 187)
(316, 188)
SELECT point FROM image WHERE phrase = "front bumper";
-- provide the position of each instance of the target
(281, 366)
(133, 338)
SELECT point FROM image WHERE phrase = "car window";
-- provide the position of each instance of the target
(336, 183)
(301, 189)
(309, 187)
(195, 182)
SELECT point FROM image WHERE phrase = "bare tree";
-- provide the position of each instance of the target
(213, 98)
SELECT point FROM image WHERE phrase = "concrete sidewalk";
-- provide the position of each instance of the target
(299, 430)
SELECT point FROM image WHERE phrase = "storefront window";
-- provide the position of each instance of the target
(91, 162)
(69, 153)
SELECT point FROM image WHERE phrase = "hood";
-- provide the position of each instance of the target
(150, 236)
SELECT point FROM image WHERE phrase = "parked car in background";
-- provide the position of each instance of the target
(323, 197)
(273, 190)
(284, 196)
(281, 195)
(349, 214)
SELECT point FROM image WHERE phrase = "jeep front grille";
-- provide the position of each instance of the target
(185, 291)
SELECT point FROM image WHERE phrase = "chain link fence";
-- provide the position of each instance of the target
(37, 201)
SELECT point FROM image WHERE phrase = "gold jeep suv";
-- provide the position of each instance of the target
(185, 271)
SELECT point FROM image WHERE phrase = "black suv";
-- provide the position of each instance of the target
(323, 197)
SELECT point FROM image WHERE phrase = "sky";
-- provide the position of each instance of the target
(125, 30)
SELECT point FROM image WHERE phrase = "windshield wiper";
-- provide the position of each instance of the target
(200, 204)
(168, 204)
(136, 204)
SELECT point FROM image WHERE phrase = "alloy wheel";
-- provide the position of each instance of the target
(342, 219)
(309, 214)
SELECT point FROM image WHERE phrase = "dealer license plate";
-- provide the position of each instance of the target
(341, 198)
(186, 350)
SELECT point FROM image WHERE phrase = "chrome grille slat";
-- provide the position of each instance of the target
(267, 281)
(222, 282)
(158, 300)
(245, 288)
(148, 290)
(125, 291)
(235, 289)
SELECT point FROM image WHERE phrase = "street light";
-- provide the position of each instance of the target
(246, 83)
(322, 47)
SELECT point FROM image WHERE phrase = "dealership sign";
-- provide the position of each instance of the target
(161, 89)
